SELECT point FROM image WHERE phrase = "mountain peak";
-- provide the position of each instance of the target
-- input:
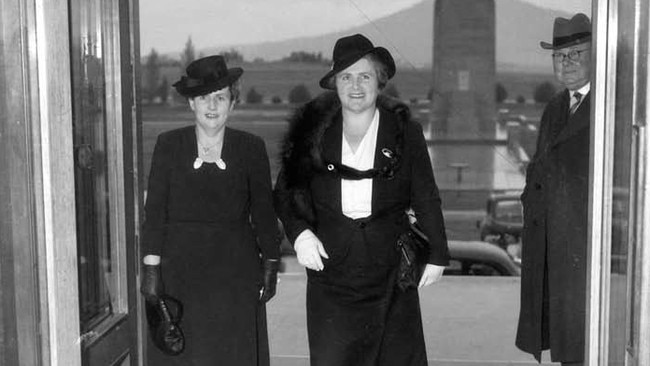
(408, 34)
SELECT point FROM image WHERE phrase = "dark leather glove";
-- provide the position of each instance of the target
(151, 285)
(270, 279)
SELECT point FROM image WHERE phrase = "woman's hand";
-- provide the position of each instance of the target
(432, 273)
(270, 280)
(309, 251)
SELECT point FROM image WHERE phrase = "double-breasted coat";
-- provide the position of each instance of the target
(211, 227)
(354, 314)
(554, 239)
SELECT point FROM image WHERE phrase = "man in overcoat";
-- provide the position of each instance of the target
(555, 201)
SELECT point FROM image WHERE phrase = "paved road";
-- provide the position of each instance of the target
(468, 321)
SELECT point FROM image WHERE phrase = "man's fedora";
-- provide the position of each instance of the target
(206, 75)
(569, 32)
(351, 49)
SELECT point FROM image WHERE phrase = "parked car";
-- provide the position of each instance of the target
(503, 221)
(477, 258)
(468, 258)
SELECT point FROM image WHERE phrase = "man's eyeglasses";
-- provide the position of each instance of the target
(573, 55)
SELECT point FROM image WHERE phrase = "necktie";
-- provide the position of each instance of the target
(574, 106)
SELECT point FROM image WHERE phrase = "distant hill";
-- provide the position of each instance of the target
(408, 35)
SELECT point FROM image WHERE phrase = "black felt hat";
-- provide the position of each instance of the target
(569, 32)
(351, 49)
(206, 75)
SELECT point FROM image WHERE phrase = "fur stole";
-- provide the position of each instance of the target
(302, 153)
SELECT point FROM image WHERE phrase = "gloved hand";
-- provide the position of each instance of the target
(151, 285)
(310, 251)
(270, 268)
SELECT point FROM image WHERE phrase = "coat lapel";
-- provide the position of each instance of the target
(190, 148)
(575, 123)
(385, 139)
(332, 144)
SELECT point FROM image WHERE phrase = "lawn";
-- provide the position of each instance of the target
(278, 78)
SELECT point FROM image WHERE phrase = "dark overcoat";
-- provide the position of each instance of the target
(554, 239)
(210, 227)
(353, 300)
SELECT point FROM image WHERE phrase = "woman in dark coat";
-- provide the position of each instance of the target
(354, 162)
(210, 232)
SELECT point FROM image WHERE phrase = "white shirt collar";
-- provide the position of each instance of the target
(364, 156)
(583, 91)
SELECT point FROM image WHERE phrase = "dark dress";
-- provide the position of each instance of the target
(211, 227)
(555, 235)
(355, 314)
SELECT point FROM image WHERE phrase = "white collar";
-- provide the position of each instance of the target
(367, 145)
(583, 91)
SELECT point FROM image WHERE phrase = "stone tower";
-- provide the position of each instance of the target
(469, 150)
(464, 69)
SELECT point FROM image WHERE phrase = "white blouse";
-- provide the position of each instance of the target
(356, 195)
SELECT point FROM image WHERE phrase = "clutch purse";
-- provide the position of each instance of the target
(163, 318)
(414, 252)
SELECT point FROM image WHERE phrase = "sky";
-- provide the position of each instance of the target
(166, 24)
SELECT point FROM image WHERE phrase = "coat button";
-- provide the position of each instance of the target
(535, 222)
(362, 225)
(538, 186)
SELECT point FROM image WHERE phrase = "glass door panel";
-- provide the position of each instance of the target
(624, 319)
(91, 184)
(99, 180)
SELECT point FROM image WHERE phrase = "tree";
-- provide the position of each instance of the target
(299, 94)
(430, 94)
(276, 99)
(521, 99)
(163, 91)
(151, 74)
(232, 56)
(500, 93)
(544, 92)
(253, 97)
(391, 91)
(307, 57)
(189, 54)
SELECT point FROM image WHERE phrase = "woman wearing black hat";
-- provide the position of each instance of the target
(353, 163)
(210, 232)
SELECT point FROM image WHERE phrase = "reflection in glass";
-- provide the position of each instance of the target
(623, 146)
(91, 164)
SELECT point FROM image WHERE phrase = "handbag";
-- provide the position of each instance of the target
(163, 318)
(414, 249)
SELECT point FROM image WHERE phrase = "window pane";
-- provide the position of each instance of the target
(623, 145)
(91, 165)
(480, 109)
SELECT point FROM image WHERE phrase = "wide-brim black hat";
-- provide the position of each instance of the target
(569, 32)
(351, 49)
(206, 75)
